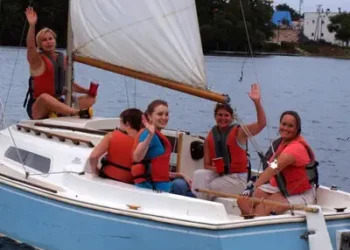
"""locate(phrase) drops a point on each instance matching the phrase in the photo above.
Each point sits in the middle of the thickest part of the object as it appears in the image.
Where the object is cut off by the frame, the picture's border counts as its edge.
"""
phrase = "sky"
(311, 5)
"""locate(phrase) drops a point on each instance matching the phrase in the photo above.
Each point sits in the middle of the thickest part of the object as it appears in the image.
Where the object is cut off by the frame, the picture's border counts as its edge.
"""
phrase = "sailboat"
(50, 199)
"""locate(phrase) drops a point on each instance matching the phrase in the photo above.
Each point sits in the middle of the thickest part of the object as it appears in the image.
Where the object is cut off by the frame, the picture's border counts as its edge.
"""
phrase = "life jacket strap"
(221, 147)
(29, 91)
(249, 166)
(147, 175)
(105, 162)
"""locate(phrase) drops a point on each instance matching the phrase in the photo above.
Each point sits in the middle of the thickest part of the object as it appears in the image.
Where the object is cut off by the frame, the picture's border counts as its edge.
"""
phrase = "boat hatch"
(29, 159)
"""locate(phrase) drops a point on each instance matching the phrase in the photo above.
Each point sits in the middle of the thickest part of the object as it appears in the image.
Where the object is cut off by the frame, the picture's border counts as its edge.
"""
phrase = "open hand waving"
(31, 16)
(254, 93)
(150, 127)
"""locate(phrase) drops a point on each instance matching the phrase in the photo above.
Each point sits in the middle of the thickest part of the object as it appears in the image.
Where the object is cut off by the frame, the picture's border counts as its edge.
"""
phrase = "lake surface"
(317, 88)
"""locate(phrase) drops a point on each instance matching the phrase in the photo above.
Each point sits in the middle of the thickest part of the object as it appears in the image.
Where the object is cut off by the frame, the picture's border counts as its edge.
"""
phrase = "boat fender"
(197, 150)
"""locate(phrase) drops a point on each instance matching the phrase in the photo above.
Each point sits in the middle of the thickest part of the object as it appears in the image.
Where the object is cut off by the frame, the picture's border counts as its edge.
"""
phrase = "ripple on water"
(328, 162)
(343, 139)
(315, 122)
(341, 122)
(337, 150)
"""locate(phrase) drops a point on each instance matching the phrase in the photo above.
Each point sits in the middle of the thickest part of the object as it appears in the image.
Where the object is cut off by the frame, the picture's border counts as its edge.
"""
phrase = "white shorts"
(207, 179)
(306, 198)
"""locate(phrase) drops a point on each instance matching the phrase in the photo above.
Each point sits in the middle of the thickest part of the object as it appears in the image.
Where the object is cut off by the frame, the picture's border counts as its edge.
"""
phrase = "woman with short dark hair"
(118, 145)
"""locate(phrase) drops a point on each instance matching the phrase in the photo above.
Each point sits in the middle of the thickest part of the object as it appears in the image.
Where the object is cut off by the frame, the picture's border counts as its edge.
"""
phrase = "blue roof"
(279, 15)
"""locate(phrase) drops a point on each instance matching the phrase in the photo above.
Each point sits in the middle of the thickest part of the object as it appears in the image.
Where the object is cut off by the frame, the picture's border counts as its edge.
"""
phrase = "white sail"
(158, 37)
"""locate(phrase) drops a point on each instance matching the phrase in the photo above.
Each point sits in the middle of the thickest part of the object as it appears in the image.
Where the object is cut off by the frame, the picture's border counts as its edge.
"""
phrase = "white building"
(315, 26)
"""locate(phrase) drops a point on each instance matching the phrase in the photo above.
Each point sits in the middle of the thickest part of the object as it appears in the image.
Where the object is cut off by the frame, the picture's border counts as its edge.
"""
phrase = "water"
(317, 88)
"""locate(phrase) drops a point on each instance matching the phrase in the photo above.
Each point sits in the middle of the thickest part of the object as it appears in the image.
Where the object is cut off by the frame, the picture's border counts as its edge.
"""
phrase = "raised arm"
(142, 147)
(33, 56)
(259, 125)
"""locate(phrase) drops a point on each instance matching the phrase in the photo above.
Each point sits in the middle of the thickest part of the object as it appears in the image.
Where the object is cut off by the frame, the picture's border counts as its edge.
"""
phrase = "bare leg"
(45, 103)
(246, 206)
(264, 209)
(86, 101)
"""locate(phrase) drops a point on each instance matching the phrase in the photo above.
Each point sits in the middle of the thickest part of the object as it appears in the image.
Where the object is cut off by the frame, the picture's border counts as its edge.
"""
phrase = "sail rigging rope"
(2, 124)
(127, 92)
(254, 66)
(58, 172)
(243, 65)
(244, 127)
(135, 94)
(8, 94)
(257, 80)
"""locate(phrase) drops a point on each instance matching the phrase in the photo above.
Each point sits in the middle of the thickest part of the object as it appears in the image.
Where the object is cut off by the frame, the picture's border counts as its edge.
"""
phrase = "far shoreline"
(230, 53)
(266, 54)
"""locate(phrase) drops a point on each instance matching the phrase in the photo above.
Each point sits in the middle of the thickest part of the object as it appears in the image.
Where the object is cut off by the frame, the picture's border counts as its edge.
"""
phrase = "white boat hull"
(69, 208)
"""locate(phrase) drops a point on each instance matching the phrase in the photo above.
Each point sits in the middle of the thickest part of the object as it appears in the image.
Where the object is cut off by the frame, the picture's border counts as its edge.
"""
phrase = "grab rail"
(51, 135)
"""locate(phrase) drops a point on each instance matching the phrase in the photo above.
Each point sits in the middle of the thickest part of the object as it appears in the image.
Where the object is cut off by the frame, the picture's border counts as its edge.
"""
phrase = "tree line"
(51, 13)
(222, 23)
(340, 24)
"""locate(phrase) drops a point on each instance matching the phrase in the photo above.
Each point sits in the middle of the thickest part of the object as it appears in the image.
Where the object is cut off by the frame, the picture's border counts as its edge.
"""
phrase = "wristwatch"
(274, 164)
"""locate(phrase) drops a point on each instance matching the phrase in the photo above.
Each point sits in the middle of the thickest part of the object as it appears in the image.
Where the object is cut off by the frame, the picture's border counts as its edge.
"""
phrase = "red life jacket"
(51, 81)
(225, 145)
(295, 179)
(118, 164)
(156, 169)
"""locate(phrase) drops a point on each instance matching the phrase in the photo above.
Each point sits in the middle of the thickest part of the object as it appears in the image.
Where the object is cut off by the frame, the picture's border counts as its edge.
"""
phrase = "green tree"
(295, 15)
(222, 24)
(340, 24)
(52, 14)
(12, 20)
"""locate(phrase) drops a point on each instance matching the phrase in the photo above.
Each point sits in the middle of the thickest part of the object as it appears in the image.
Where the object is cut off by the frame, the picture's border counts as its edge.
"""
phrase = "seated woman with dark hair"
(285, 179)
(227, 142)
(118, 145)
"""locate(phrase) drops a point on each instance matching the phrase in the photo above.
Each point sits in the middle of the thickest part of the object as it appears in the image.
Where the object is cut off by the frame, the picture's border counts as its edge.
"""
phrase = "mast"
(179, 86)
(69, 73)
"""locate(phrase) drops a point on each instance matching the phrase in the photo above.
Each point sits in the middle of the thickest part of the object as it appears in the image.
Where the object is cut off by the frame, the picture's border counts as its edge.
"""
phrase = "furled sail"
(158, 37)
